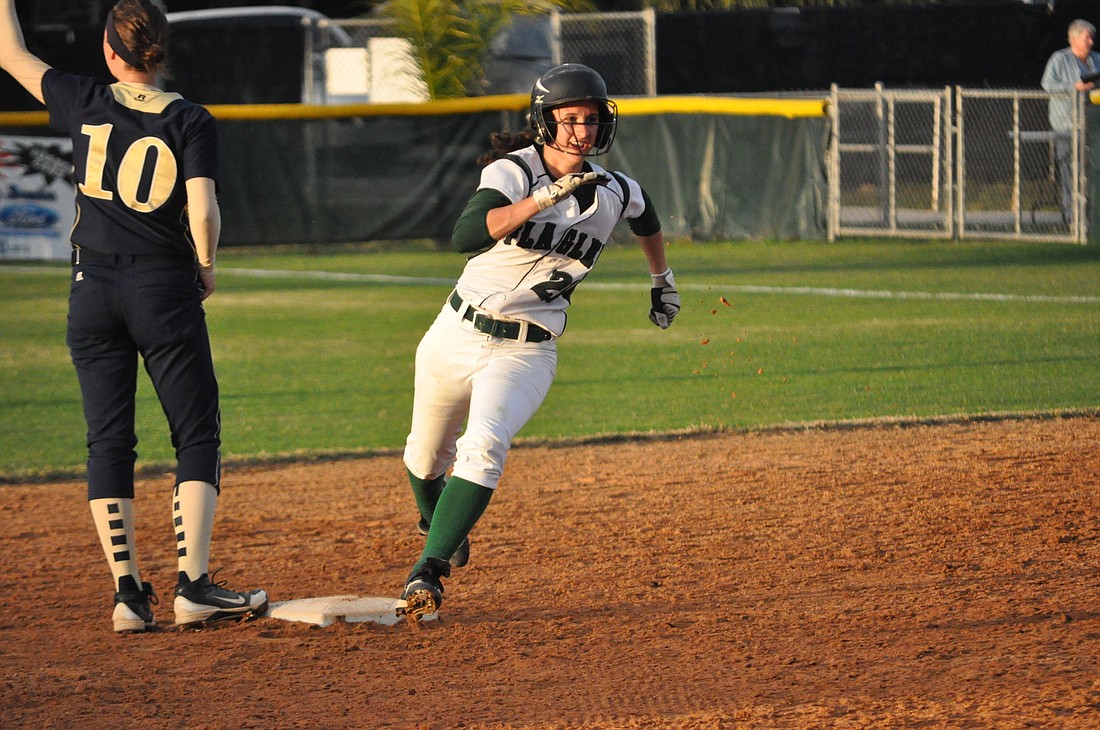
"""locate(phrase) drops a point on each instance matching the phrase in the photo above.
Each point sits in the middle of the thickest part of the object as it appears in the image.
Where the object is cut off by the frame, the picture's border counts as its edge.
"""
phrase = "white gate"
(908, 163)
(890, 163)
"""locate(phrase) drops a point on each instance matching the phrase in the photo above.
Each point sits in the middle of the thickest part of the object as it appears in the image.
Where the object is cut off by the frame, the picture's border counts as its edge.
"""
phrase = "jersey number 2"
(559, 284)
(130, 171)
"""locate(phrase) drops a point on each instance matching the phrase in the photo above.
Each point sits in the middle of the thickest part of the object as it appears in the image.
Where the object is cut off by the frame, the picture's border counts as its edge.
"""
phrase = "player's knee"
(481, 458)
(111, 472)
(201, 463)
(426, 469)
(424, 462)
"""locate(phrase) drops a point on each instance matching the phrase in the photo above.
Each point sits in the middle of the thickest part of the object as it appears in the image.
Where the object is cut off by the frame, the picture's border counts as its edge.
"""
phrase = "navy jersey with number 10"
(134, 147)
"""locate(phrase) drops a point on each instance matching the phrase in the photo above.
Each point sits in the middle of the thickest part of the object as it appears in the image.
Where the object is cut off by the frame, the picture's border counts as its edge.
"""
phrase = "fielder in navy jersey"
(144, 243)
(535, 227)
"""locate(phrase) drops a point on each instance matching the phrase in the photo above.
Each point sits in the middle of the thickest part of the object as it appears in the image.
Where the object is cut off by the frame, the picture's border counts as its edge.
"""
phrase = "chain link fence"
(622, 47)
(1010, 178)
(963, 163)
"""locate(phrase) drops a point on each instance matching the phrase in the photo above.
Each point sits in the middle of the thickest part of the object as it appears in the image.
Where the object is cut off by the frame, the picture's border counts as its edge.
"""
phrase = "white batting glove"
(564, 186)
(665, 301)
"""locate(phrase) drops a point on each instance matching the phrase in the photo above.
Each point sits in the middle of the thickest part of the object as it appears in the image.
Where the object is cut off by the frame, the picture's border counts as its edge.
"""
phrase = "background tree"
(450, 39)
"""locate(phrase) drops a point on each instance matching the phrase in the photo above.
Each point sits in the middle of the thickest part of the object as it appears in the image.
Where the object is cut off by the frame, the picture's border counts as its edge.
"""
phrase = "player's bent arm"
(24, 67)
(505, 219)
(654, 249)
(205, 221)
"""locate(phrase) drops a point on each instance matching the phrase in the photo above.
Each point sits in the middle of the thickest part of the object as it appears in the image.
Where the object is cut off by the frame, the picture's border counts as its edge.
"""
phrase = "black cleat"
(201, 600)
(133, 612)
(424, 590)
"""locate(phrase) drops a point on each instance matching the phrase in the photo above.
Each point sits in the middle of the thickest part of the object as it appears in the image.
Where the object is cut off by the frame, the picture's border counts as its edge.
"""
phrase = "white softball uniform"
(490, 355)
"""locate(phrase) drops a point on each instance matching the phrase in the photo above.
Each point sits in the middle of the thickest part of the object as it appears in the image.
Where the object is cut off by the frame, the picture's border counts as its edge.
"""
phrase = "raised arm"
(24, 67)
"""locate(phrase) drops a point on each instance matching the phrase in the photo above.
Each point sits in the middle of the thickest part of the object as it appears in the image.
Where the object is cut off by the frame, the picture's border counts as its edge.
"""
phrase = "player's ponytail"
(506, 142)
(138, 32)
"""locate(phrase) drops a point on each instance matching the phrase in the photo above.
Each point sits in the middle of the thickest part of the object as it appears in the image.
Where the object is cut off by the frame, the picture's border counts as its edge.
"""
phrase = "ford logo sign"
(28, 215)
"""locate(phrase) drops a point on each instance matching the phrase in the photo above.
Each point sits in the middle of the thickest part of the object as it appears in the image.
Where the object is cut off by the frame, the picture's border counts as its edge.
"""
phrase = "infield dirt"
(892, 576)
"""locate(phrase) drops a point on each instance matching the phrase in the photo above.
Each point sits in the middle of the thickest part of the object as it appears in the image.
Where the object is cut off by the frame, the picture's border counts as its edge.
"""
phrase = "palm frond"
(450, 39)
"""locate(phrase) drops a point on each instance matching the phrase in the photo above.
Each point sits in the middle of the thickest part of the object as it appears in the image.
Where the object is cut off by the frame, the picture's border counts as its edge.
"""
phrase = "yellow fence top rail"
(24, 119)
(789, 108)
(636, 106)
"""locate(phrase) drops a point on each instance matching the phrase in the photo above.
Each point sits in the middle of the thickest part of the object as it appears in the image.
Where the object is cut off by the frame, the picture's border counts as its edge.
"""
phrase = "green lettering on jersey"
(578, 248)
(522, 236)
(588, 258)
(567, 242)
(546, 238)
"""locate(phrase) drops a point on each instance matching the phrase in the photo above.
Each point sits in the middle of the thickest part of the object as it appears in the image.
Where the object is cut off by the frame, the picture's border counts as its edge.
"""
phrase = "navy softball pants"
(123, 307)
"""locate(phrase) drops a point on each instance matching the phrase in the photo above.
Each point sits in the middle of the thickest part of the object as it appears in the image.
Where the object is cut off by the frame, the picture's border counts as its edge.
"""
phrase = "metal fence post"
(307, 64)
(649, 16)
(960, 149)
(1016, 217)
(555, 32)
(833, 216)
(949, 161)
(880, 119)
(1078, 151)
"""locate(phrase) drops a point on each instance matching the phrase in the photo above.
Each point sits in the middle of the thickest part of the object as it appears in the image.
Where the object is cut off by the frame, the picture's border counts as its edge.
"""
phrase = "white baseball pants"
(493, 384)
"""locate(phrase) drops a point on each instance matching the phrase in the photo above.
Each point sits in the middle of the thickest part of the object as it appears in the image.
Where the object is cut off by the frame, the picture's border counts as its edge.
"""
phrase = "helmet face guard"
(566, 84)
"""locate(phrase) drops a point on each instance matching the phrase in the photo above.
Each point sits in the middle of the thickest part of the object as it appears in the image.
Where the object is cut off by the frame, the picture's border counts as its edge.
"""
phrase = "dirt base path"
(920, 576)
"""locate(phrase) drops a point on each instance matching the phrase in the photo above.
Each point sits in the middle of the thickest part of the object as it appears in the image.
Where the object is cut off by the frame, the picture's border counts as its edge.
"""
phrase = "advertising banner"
(36, 197)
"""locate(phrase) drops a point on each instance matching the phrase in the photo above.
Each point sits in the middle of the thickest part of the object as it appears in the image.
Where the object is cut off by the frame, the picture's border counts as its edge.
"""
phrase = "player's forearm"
(205, 232)
(204, 219)
(23, 66)
(654, 249)
(502, 221)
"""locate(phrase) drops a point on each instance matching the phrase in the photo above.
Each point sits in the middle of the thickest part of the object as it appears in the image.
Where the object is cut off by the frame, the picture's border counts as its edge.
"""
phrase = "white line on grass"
(610, 286)
(339, 276)
(742, 288)
(866, 293)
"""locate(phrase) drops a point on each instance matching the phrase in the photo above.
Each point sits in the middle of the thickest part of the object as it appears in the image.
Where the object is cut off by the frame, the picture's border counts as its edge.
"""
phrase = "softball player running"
(145, 162)
(536, 226)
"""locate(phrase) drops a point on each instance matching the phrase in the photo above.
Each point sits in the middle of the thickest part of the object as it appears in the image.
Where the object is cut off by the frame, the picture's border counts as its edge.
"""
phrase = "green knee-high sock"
(458, 510)
(426, 492)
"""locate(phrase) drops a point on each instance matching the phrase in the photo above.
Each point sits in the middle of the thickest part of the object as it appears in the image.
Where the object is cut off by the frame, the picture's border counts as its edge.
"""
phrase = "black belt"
(88, 256)
(496, 327)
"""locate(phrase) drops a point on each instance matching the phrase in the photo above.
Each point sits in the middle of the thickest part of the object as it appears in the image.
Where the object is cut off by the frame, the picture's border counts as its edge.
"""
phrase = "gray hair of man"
(1079, 27)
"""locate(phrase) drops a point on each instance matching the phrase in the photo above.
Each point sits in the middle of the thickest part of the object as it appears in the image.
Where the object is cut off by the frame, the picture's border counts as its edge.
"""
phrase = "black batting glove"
(664, 300)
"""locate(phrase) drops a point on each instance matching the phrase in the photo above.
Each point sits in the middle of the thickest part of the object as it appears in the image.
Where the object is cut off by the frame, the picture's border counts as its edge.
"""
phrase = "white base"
(325, 610)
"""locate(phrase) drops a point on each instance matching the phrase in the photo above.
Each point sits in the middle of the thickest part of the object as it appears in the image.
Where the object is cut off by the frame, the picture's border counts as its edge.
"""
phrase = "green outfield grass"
(770, 334)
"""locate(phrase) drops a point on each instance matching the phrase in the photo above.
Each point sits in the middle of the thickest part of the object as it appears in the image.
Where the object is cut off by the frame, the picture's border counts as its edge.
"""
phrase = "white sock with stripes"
(193, 505)
(114, 522)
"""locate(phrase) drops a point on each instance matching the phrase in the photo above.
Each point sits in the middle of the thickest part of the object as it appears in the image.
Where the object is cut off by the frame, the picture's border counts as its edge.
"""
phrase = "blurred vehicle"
(520, 54)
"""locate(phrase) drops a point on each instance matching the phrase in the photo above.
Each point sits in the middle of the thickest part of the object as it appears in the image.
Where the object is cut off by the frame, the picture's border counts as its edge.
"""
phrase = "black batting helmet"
(571, 82)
